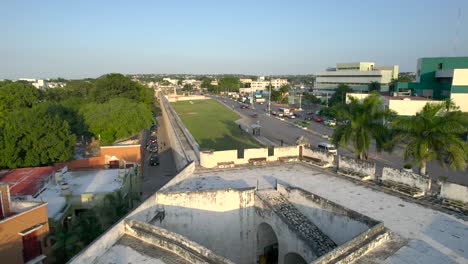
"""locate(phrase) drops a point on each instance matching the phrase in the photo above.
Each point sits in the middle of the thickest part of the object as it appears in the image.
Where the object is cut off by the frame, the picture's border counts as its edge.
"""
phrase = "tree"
(117, 85)
(187, 87)
(374, 86)
(17, 95)
(118, 118)
(229, 84)
(275, 95)
(367, 124)
(311, 98)
(34, 137)
(340, 94)
(432, 134)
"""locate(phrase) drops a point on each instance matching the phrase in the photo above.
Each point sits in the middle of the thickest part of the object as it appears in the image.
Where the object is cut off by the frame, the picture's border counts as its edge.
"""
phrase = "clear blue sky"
(75, 39)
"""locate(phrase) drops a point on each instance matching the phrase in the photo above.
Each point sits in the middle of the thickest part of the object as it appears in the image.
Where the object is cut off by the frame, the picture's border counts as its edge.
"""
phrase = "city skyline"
(77, 40)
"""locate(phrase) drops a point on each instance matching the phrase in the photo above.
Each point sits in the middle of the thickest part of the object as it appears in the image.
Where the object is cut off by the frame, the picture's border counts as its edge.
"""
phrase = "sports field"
(212, 125)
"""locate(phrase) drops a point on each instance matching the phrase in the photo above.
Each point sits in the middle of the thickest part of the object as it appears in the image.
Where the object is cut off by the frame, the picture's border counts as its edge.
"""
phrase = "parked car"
(327, 147)
(329, 122)
(318, 120)
(274, 113)
(154, 160)
(292, 116)
(153, 139)
(153, 147)
(244, 107)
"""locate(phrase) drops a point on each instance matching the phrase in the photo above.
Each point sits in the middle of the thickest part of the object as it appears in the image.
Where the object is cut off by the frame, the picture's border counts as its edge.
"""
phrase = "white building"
(262, 85)
(358, 75)
(38, 83)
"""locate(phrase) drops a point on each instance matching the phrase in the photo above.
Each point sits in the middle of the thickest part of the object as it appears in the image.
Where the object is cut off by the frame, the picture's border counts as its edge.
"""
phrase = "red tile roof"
(27, 181)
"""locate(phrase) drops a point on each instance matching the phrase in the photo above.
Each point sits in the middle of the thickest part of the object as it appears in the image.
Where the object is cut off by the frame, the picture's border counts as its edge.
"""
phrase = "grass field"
(212, 125)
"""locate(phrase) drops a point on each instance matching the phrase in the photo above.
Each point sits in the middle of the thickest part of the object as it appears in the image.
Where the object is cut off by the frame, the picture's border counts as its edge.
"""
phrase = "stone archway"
(294, 258)
(267, 244)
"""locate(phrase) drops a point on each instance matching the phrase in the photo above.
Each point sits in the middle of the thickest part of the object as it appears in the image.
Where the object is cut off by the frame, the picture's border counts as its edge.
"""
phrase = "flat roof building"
(24, 228)
(358, 75)
(441, 78)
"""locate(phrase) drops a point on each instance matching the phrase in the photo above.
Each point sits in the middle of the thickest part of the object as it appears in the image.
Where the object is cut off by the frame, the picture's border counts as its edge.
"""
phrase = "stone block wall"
(405, 177)
(318, 154)
(360, 167)
(454, 191)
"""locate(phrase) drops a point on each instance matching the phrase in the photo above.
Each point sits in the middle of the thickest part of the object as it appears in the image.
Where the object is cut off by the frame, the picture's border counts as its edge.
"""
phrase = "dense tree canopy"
(116, 119)
(230, 84)
(40, 127)
(17, 95)
(33, 137)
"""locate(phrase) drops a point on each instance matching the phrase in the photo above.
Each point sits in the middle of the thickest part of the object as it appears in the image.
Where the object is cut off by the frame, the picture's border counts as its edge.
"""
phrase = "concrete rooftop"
(425, 235)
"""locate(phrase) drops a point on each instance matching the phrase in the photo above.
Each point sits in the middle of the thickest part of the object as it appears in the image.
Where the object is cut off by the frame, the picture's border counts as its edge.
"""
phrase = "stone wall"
(454, 191)
(318, 154)
(362, 169)
(186, 98)
(405, 177)
(172, 242)
(337, 222)
(212, 159)
(221, 220)
(180, 157)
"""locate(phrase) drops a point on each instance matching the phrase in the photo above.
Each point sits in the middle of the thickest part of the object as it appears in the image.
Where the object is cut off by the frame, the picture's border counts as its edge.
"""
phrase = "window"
(439, 66)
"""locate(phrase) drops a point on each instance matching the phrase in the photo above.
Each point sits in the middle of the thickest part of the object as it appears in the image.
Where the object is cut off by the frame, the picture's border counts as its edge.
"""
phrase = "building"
(245, 80)
(358, 75)
(403, 105)
(262, 84)
(38, 83)
(440, 78)
(23, 230)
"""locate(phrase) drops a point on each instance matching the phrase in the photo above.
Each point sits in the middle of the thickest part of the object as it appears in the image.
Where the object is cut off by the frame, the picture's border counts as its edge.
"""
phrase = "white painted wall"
(221, 220)
(454, 192)
(335, 224)
(405, 177)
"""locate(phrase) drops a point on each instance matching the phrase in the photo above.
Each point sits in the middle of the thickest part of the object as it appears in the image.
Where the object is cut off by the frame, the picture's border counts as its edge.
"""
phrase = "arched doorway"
(267, 244)
(293, 258)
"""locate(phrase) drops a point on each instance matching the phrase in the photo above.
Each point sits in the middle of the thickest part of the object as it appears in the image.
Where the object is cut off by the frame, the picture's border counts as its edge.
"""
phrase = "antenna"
(457, 33)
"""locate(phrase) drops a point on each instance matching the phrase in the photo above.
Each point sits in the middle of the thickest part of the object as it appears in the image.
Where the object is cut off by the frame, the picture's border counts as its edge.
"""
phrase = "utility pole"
(300, 101)
(327, 99)
(269, 99)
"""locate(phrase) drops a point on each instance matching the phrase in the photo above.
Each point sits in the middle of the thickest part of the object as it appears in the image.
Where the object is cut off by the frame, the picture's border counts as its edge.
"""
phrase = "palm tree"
(366, 124)
(434, 133)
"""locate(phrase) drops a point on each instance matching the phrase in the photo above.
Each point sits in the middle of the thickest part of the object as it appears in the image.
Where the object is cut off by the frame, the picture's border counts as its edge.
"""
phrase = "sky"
(78, 39)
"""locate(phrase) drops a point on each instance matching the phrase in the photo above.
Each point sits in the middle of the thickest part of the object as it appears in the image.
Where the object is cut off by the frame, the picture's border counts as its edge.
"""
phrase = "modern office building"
(440, 78)
(358, 75)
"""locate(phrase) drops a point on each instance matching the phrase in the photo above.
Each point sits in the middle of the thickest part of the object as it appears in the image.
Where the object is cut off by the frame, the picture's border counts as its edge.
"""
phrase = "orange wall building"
(23, 230)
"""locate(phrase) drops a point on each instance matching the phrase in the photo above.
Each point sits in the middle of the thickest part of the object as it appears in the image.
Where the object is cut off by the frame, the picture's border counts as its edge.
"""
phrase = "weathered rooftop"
(432, 235)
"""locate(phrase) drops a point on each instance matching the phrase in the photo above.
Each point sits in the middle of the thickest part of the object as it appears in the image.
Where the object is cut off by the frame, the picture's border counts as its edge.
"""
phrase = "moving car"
(154, 160)
(318, 119)
(329, 122)
(327, 147)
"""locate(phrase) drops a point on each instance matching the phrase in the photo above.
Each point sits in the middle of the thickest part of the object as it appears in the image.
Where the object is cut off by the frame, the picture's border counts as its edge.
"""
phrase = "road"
(155, 177)
(276, 130)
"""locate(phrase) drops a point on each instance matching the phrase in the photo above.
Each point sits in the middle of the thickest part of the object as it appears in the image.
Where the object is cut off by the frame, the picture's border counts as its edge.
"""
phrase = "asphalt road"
(276, 130)
(155, 177)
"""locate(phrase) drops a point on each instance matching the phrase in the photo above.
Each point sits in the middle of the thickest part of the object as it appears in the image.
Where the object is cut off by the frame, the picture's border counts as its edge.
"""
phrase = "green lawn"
(212, 125)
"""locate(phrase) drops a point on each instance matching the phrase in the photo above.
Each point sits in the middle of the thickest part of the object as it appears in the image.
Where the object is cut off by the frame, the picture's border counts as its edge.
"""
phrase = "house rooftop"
(27, 181)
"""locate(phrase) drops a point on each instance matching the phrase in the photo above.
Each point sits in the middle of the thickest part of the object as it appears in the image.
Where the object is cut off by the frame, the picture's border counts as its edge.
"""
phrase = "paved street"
(276, 130)
(154, 177)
